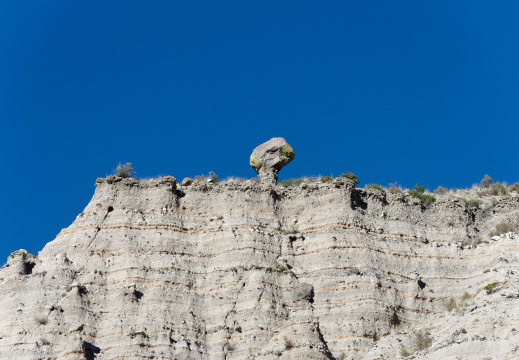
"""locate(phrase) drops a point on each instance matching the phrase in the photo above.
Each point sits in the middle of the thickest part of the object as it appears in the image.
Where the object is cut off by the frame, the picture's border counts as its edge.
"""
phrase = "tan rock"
(270, 157)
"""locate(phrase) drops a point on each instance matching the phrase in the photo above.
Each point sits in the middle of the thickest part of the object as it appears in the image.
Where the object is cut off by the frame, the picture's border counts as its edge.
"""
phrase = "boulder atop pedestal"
(269, 158)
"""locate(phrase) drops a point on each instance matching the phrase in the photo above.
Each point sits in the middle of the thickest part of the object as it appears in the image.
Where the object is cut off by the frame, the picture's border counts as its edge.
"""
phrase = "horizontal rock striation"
(238, 270)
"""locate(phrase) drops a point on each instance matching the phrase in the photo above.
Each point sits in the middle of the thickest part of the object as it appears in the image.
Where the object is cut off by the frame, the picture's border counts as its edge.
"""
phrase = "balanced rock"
(270, 157)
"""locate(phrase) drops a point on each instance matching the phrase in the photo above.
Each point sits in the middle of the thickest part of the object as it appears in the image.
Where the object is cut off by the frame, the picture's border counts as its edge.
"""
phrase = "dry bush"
(289, 344)
(422, 340)
(498, 189)
(394, 188)
(124, 170)
(466, 296)
(440, 190)
(452, 304)
(486, 182)
(503, 228)
(514, 187)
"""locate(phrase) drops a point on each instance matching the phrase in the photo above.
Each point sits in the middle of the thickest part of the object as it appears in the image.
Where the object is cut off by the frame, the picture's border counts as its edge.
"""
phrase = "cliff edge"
(239, 270)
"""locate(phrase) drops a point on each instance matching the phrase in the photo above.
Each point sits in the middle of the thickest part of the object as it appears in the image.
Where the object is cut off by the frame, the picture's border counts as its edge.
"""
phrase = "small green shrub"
(471, 203)
(124, 170)
(288, 343)
(486, 182)
(351, 176)
(419, 193)
(292, 182)
(490, 288)
(503, 228)
(376, 187)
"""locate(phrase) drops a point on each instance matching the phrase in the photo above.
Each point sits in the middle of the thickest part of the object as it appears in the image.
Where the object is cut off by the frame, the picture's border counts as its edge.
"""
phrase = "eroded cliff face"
(152, 270)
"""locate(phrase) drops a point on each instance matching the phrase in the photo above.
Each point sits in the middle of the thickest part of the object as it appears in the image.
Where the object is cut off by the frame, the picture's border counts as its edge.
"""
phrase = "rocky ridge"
(239, 270)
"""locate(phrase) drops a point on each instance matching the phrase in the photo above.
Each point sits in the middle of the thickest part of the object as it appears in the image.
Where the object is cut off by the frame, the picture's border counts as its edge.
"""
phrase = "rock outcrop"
(269, 158)
(238, 270)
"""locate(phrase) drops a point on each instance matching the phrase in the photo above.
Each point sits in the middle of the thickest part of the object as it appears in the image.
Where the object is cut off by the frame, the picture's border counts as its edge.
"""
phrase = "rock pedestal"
(269, 158)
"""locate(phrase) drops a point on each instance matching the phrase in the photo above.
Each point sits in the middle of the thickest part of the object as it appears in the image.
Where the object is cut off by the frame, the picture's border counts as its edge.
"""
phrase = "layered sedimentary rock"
(155, 270)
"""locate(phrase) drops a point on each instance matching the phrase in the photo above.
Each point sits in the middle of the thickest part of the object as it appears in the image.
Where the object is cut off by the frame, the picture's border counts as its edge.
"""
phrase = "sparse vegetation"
(351, 176)
(288, 343)
(514, 187)
(291, 229)
(490, 288)
(229, 346)
(213, 177)
(440, 190)
(458, 332)
(471, 203)
(498, 189)
(419, 193)
(291, 182)
(404, 352)
(466, 296)
(422, 340)
(486, 182)
(326, 178)
(44, 341)
(394, 188)
(124, 170)
(503, 228)
(376, 187)
(452, 304)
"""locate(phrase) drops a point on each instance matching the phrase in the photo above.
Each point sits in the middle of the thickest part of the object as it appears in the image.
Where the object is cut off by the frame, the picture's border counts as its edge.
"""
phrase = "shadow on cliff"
(90, 350)
(356, 201)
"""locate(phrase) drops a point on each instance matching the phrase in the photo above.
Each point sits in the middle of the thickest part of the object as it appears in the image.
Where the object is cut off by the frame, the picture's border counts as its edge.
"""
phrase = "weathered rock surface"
(269, 158)
(208, 271)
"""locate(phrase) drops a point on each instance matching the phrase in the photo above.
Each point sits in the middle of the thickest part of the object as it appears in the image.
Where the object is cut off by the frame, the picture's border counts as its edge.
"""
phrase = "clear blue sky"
(412, 91)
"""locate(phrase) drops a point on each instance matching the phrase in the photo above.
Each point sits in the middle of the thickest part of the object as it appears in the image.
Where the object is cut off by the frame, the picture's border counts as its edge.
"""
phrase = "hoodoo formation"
(243, 270)
(269, 158)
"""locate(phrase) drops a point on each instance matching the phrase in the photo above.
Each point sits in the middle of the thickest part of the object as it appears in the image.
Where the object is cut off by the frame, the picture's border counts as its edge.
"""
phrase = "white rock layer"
(207, 271)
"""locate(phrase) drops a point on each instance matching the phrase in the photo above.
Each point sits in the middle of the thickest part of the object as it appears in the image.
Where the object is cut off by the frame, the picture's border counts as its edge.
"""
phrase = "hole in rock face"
(110, 208)
(421, 284)
(28, 267)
